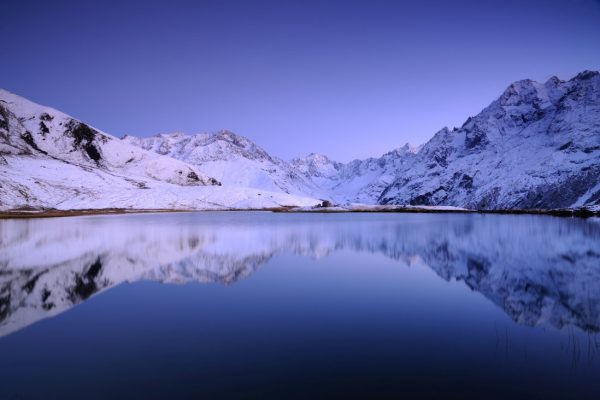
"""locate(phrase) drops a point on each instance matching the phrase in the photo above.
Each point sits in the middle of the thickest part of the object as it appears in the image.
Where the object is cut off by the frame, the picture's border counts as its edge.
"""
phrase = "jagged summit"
(536, 146)
(225, 145)
(585, 75)
(408, 148)
(316, 165)
(232, 159)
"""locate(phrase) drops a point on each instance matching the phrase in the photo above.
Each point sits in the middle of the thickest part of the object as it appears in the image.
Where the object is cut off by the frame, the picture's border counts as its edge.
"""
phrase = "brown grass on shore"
(27, 212)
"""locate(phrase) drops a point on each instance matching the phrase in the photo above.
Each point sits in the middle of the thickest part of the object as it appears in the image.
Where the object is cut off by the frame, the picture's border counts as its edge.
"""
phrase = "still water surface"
(268, 305)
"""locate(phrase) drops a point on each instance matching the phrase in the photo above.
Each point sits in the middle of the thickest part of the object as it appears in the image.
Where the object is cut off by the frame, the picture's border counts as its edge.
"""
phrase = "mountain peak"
(409, 148)
(174, 134)
(318, 158)
(553, 81)
(226, 132)
(585, 75)
(516, 90)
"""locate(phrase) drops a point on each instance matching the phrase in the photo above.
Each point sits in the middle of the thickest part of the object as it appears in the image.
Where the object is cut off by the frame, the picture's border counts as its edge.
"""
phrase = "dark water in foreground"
(262, 305)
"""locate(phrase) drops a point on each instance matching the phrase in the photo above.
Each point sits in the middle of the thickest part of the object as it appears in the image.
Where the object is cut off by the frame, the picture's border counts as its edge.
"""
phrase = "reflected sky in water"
(268, 305)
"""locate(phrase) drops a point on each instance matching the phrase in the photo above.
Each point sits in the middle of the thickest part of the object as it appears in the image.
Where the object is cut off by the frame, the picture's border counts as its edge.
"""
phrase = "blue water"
(269, 305)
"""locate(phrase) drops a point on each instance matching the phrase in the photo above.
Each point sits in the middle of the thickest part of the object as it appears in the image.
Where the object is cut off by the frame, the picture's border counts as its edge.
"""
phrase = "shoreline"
(24, 214)
(53, 213)
(577, 213)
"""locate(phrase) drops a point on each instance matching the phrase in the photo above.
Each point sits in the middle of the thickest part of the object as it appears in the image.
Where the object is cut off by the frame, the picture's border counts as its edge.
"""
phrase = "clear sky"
(349, 79)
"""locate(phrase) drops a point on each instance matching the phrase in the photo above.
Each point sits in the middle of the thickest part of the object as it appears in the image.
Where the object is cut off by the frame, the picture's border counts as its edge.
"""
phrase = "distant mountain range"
(536, 146)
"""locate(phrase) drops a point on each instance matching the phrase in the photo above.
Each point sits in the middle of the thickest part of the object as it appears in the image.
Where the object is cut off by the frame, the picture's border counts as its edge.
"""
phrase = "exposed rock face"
(27, 128)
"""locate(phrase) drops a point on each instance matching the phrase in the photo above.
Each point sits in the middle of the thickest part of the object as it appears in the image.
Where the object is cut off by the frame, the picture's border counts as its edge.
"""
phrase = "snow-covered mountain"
(51, 160)
(236, 160)
(359, 181)
(232, 159)
(537, 146)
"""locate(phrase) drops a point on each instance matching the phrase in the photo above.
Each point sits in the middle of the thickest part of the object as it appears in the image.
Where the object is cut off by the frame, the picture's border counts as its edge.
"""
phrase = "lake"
(284, 306)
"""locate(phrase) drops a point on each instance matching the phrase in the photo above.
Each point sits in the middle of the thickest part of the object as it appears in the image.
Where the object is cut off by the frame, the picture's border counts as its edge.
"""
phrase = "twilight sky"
(349, 79)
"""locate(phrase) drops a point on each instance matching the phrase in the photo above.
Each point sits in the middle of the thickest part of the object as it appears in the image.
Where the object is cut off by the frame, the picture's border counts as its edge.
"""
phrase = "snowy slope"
(232, 159)
(359, 181)
(537, 146)
(236, 160)
(49, 159)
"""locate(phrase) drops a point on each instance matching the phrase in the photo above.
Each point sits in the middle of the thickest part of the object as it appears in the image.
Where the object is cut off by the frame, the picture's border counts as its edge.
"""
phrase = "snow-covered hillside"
(537, 146)
(232, 159)
(51, 160)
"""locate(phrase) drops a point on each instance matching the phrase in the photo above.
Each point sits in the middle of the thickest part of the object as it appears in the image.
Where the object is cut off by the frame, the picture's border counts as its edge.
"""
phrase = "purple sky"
(349, 79)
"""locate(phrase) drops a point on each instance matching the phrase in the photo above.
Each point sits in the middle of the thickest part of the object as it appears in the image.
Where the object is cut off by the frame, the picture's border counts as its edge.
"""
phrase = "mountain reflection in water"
(540, 270)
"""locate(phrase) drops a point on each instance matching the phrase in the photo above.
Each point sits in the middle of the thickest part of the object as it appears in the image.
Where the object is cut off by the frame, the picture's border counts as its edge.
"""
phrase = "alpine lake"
(265, 305)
